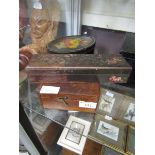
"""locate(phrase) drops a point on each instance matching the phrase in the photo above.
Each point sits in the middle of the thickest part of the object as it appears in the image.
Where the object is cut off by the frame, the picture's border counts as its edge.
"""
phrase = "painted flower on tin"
(115, 78)
(113, 60)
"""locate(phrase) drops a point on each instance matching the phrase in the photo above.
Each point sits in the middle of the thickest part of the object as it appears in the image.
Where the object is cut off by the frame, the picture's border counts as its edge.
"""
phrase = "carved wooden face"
(39, 22)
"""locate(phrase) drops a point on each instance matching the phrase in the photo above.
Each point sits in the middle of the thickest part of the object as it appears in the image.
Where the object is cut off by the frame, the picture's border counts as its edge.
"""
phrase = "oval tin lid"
(71, 44)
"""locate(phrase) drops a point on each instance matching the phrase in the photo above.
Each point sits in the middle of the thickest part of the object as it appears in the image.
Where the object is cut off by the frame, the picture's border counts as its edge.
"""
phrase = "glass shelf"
(53, 20)
(32, 102)
(58, 116)
(33, 107)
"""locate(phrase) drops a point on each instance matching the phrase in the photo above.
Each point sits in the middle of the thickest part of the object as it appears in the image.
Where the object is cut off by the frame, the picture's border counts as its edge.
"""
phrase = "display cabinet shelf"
(31, 102)
(88, 75)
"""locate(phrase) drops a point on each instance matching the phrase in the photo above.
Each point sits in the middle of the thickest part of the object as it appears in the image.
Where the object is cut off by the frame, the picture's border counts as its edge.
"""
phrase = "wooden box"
(112, 68)
(72, 96)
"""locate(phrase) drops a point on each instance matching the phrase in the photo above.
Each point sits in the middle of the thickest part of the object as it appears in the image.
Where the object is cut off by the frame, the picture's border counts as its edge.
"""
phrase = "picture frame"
(74, 134)
(130, 147)
(109, 151)
(108, 130)
(109, 103)
(130, 113)
(113, 133)
(127, 111)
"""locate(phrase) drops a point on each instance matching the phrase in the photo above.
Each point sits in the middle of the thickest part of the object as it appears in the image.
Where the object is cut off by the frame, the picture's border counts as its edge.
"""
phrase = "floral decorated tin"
(72, 45)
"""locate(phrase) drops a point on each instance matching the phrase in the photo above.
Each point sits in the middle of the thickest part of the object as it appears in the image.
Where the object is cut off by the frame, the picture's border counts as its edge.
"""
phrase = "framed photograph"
(109, 151)
(130, 113)
(109, 103)
(130, 147)
(110, 132)
(74, 134)
(106, 103)
(127, 111)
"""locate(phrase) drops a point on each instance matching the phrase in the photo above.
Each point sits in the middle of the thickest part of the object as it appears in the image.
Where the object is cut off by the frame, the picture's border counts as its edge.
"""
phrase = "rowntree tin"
(72, 45)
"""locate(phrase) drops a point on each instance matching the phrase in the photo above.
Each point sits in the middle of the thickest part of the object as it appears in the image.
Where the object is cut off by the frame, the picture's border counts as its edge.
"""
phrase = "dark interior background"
(115, 42)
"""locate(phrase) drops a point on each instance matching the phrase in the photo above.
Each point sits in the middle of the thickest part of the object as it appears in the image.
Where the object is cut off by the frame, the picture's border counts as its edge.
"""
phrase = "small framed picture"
(109, 103)
(127, 111)
(130, 113)
(106, 103)
(74, 134)
(130, 147)
(109, 151)
(107, 100)
(110, 132)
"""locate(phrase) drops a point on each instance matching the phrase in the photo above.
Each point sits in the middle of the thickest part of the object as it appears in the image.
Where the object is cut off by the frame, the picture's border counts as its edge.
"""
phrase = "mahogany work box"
(77, 76)
(71, 96)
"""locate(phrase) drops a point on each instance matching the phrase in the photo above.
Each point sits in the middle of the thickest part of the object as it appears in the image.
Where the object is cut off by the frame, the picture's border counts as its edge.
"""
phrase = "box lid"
(78, 64)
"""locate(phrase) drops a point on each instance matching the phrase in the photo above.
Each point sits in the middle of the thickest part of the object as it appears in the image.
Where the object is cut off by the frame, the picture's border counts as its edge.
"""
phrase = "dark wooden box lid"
(78, 64)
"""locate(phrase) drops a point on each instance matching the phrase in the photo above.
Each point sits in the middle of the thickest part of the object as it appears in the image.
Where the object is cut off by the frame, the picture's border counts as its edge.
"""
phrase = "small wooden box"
(72, 96)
